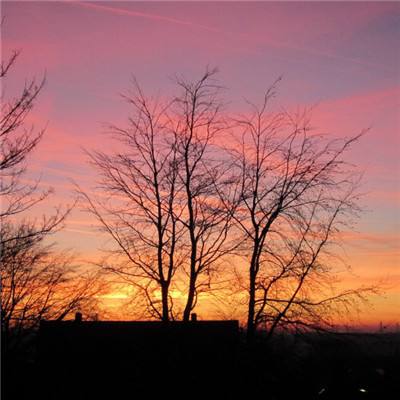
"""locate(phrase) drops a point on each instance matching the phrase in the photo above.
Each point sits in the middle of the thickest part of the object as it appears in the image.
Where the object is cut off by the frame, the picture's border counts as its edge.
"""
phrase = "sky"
(342, 59)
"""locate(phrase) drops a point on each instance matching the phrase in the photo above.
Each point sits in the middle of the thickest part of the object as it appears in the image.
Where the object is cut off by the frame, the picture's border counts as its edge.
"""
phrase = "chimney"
(78, 317)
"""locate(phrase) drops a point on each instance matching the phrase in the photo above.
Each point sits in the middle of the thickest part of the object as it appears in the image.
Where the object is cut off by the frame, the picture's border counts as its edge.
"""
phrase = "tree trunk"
(251, 326)
(190, 299)
(164, 299)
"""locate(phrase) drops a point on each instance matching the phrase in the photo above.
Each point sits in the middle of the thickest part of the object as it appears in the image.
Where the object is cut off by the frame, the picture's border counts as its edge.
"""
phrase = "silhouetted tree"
(36, 282)
(296, 194)
(173, 194)
(204, 176)
(162, 205)
(17, 142)
(139, 212)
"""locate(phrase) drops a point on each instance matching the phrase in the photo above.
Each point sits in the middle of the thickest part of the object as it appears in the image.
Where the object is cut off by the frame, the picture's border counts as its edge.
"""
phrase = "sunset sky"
(341, 58)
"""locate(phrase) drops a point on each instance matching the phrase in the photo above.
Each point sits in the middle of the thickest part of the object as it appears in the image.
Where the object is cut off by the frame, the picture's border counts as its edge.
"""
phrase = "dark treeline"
(311, 365)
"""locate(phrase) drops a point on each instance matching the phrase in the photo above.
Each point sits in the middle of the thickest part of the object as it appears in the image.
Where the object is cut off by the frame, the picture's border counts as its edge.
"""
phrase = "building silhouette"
(103, 359)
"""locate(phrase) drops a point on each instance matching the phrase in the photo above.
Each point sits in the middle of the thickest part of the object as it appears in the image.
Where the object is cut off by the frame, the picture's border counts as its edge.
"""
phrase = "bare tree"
(36, 282)
(162, 191)
(140, 213)
(204, 179)
(17, 142)
(172, 195)
(39, 282)
(296, 193)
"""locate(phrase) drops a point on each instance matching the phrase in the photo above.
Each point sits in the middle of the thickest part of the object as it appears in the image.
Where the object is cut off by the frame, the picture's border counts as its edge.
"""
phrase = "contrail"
(155, 17)
(267, 41)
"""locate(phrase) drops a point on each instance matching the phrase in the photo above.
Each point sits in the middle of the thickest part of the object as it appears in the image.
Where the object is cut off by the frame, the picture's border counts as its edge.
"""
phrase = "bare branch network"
(193, 189)
(37, 280)
(243, 209)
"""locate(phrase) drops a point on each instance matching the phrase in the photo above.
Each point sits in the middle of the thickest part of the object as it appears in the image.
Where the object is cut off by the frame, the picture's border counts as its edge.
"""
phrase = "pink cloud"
(377, 110)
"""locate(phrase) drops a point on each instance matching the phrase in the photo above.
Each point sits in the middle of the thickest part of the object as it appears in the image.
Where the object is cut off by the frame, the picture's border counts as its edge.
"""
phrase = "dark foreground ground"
(312, 366)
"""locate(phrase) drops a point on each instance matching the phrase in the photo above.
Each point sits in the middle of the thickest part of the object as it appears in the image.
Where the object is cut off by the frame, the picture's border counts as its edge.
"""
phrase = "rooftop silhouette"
(106, 358)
